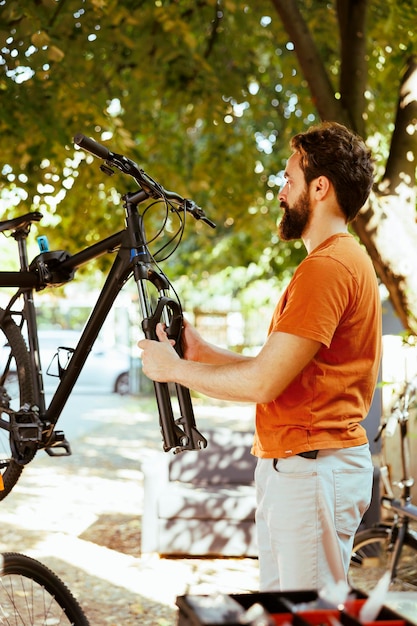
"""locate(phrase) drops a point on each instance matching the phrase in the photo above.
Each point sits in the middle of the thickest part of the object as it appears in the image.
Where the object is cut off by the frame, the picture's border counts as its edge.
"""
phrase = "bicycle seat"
(22, 221)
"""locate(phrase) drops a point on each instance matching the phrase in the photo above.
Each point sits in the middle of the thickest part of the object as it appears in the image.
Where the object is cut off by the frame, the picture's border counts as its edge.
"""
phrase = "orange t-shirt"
(332, 298)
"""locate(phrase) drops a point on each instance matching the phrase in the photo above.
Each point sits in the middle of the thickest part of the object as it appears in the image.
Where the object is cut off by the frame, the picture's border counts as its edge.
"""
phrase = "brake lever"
(198, 213)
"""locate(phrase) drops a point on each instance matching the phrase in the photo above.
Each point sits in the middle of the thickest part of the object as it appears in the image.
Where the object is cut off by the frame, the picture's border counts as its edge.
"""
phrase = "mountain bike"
(391, 545)
(31, 594)
(26, 423)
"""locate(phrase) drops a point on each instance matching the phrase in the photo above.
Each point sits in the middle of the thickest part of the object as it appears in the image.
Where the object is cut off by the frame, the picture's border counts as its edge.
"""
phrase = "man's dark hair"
(332, 150)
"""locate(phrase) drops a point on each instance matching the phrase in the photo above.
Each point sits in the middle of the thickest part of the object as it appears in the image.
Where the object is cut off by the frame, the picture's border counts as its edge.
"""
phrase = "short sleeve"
(320, 293)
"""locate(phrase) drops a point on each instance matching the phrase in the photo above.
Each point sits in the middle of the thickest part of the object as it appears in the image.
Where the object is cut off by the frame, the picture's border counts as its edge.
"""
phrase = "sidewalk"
(80, 515)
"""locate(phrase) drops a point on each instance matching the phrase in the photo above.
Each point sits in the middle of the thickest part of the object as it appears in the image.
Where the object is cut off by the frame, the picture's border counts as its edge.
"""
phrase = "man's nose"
(282, 194)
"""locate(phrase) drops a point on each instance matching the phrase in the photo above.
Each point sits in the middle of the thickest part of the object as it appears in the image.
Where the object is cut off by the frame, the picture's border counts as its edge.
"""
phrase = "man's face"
(295, 201)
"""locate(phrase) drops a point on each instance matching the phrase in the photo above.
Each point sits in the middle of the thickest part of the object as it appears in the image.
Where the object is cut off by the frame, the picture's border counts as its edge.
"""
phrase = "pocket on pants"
(353, 492)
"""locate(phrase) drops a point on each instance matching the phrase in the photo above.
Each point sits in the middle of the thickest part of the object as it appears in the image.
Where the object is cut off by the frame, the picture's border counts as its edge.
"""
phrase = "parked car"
(105, 371)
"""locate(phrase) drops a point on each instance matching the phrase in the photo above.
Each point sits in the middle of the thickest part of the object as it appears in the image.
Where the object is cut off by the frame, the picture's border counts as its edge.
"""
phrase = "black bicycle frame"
(132, 257)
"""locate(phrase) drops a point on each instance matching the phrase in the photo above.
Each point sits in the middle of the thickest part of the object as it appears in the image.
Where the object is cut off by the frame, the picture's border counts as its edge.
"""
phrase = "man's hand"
(159, 357)
(192, 342)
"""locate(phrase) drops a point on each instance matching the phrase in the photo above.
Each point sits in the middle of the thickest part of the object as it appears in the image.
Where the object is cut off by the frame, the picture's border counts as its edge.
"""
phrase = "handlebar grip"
(92, 146)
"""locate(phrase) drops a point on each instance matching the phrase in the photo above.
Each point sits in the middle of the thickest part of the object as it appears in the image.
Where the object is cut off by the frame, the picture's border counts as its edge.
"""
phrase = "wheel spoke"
(371, 558)
(31, 594)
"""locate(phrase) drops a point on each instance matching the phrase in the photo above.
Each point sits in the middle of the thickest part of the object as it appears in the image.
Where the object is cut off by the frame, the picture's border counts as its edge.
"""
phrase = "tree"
(205, 95)
(387, 225)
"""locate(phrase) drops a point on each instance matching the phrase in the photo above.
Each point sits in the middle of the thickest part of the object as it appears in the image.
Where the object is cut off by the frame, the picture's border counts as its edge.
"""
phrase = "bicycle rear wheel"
(30, 593)
(16, 390)
(371, 558)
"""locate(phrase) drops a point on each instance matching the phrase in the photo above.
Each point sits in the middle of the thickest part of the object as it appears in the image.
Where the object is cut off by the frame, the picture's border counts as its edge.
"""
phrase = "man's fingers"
(160, 333)
(162, 336)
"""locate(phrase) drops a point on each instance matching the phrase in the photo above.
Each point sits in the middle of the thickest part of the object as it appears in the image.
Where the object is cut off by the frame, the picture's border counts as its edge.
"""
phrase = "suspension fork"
(180, 434)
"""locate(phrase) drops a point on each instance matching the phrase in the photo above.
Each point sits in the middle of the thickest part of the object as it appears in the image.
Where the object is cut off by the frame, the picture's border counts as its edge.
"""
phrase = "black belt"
(310, 454)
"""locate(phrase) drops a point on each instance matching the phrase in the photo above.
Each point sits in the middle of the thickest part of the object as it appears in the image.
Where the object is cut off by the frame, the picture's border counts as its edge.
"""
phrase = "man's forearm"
(232, 380)
(231, 376)
(214, 355)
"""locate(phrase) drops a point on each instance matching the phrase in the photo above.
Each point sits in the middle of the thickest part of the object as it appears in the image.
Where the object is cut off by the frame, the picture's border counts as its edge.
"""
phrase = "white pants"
(308, 511)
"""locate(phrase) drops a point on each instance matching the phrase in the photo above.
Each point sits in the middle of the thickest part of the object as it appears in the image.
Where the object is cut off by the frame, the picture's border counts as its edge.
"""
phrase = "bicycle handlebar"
(93, 146)
(150, 186)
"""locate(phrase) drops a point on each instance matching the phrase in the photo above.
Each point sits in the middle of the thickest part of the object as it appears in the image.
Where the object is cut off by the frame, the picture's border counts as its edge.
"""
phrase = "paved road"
(82, 411)
(57, 500)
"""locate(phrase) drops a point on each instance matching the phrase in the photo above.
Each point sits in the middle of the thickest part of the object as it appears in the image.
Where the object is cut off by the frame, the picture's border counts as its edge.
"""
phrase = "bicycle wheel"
(16, 390)
(30, 593)
(371, 558)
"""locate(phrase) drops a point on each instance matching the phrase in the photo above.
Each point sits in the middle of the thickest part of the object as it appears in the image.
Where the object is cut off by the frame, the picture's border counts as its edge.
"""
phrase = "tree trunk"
(351, 15)
(387, 226)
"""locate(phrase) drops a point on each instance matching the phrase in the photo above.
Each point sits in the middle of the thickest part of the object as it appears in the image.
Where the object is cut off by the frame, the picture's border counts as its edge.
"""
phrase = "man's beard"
(295, 218)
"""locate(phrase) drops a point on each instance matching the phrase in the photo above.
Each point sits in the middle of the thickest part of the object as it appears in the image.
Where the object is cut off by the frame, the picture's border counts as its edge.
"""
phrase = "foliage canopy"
(204, 95)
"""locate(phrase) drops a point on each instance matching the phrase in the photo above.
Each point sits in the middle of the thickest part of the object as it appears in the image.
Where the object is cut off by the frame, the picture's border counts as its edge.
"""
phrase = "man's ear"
(320, 187)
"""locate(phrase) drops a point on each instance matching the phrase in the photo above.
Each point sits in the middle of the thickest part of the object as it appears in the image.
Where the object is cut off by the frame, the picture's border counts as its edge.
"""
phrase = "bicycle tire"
(372, 550)
(16, 390)
(31, 593)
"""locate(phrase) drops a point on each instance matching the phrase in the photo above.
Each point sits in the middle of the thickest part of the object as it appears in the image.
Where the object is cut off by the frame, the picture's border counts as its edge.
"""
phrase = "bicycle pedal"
(26, 427)
(59, 445)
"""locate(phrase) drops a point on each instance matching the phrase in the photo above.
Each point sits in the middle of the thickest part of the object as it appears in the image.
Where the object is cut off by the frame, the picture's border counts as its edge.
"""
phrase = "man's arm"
(195, 348)
(256, 379)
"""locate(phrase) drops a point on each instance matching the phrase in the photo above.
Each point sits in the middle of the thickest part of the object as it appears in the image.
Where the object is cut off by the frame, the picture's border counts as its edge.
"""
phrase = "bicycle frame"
(402, 507)
(132, 257)
(405, 512)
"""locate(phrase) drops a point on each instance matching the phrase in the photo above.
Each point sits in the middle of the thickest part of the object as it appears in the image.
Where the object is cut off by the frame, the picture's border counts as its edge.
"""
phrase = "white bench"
(202, 503)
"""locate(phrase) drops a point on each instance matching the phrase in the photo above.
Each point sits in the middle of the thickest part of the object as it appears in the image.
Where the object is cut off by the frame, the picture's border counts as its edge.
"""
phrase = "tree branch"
(310, 62)
(214, 30)
(401, 164)
(351, 15)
